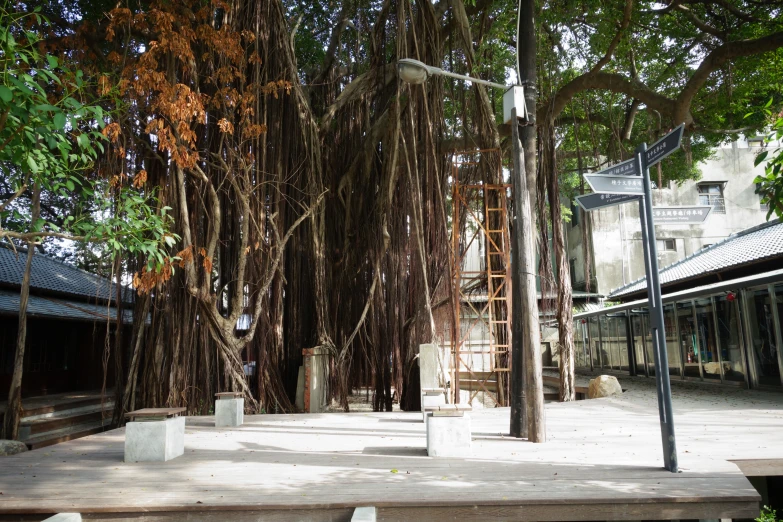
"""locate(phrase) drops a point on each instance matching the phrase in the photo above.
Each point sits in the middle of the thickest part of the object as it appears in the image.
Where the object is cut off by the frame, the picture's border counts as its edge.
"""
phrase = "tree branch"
(617, 38)
(610, 82)
(714, 60)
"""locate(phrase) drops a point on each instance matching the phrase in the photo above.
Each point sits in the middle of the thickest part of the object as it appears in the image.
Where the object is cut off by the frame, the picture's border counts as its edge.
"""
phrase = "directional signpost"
(680, 215)
(595, 201)
(629, 181)
(607, 184)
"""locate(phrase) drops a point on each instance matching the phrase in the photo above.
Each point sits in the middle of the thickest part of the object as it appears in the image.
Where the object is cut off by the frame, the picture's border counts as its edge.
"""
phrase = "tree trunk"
(14, 410)
(564, 295)
(525, 296)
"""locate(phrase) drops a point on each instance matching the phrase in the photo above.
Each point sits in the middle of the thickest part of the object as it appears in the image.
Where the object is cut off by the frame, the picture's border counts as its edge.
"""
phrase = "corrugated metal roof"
(759, 243)
(52, 275)
(59, 308)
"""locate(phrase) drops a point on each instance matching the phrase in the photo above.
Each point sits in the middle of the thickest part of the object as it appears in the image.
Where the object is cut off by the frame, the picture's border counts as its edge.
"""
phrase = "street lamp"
(416, 72)
(525, 340)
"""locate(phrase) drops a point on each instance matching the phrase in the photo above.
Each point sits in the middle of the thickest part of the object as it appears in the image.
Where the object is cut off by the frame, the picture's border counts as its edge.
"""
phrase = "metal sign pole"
(657, 331)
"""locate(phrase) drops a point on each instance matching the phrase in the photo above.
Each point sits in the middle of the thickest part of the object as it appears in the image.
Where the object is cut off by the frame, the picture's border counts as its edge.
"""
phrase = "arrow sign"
(664, 146)
(595, 201)
(682, 215)
(615, 184)
(624, 168)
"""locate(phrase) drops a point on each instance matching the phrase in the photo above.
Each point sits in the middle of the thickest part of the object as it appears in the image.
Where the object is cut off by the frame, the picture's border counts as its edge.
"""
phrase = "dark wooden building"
(70, 312)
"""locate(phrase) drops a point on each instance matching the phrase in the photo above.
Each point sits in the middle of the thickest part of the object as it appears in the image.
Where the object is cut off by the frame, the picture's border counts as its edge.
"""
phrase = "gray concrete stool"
(431, 397)
(154, 435)
(229, 409)
(448, 431)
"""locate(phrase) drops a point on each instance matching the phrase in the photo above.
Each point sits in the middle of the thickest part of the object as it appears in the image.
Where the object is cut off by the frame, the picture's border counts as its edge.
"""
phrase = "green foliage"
(767, 515)
(50, 135)
(770, 185)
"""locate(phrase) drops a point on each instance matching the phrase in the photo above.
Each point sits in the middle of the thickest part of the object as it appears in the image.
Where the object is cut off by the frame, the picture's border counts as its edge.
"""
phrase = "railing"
(716, 202)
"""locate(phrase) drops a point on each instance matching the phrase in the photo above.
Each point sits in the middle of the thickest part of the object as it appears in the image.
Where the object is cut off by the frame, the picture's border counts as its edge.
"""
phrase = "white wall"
(616, 231)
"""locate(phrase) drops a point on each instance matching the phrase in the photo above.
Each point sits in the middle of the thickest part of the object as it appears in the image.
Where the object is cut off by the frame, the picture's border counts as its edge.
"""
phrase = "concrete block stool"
(229, 409)
(448, 431)
(154, 435)
(431, 397)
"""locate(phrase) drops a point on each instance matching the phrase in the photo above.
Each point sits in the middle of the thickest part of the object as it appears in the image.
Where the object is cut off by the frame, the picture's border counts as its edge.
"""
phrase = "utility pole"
(527, 391)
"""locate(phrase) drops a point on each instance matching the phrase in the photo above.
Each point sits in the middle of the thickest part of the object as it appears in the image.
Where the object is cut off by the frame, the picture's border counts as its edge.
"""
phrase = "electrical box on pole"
(514, 98)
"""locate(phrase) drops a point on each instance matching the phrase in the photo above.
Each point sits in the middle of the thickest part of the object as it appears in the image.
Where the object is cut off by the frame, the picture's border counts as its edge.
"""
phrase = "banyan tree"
(310, 187)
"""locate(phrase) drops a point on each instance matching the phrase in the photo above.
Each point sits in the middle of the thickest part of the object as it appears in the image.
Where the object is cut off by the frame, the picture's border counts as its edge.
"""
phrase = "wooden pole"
(520, 275)
(526, 324)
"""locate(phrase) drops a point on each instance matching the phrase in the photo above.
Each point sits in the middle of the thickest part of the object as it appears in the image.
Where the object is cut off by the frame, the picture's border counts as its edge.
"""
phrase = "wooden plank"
(760, 467)
(734, 510)
(155, 412)
(597, 463)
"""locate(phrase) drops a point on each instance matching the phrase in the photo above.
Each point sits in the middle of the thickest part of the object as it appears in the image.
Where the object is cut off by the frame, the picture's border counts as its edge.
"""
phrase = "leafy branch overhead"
(50, 139)
(263, 159)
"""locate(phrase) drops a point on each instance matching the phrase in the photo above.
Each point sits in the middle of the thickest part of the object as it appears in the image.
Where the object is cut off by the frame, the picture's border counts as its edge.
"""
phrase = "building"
(726, 185)
(723, 310)
(67, 320)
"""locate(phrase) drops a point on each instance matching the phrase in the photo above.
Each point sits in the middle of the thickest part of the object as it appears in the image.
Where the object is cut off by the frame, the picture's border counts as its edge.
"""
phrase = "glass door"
(761, 337)
(638, 325)
(707, 340)
(729, 337)
(687, 339)
(672, 348)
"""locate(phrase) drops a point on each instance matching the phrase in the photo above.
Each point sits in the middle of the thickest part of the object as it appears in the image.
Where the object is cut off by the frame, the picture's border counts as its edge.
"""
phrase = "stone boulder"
(11, 447)
(603, 386)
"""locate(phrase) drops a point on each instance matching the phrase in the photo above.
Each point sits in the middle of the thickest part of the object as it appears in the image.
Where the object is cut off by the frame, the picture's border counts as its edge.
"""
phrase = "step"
(69, 433)
(58, 420)
(61, 406)
(68, 412)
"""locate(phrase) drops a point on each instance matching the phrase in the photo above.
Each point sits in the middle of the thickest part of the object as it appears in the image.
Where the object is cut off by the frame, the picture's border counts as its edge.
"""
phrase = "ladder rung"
(495, 209)
(495, 231)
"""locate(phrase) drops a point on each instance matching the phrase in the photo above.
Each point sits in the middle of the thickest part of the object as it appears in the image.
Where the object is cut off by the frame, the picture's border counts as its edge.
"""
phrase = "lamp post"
(526, 370)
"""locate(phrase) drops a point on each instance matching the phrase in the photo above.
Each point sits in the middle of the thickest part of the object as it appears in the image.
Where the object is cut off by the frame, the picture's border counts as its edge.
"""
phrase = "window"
(711, 194)
(762, 205)
(666, 245)
(574, 215)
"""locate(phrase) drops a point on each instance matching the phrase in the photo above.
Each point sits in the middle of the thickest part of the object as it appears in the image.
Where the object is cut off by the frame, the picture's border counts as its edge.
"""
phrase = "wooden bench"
(448, 430)
(154, 434)
(229, 409)
(433, 391)
(228, 395)
(153, 414)
(450, 410)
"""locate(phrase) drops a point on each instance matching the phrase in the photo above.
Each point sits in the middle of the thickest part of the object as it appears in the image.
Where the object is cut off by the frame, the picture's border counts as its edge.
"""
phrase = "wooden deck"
(602, 461)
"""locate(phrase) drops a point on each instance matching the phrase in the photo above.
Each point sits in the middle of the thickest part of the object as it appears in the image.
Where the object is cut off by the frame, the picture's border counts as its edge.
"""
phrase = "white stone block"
(364, 514)
(154, 441)
(432, 400)
(229, 413)
(65, 517)
(448, 436)
(428, 366)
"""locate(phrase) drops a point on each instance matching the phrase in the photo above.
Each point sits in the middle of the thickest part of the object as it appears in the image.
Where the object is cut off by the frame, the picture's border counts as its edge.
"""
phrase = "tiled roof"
(60, 308)
(759, 243)
(54, 276)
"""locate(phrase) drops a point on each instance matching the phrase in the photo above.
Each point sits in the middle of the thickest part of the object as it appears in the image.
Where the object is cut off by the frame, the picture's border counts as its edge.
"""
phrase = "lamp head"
(412, 71)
